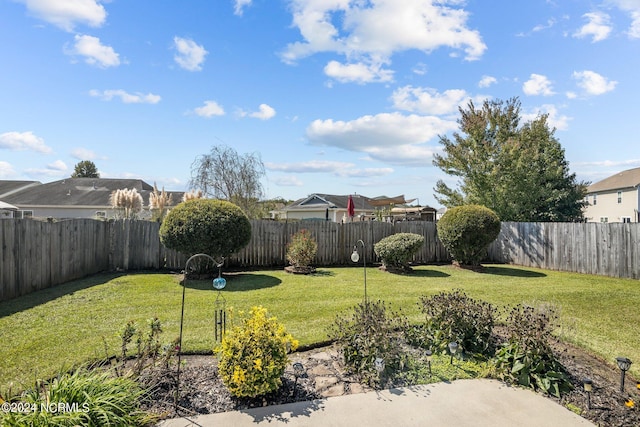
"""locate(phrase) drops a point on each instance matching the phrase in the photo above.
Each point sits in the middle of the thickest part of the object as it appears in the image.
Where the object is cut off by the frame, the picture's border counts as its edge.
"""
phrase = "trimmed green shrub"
(453, 316)
(366, 333)
(302, 249)
(527, 358)
(252, 357)
(213, 227)
(82, 398)
(466, 232)
(397, 250)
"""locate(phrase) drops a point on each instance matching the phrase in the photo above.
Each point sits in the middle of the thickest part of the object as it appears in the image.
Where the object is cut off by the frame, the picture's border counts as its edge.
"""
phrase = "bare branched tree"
(224, 174)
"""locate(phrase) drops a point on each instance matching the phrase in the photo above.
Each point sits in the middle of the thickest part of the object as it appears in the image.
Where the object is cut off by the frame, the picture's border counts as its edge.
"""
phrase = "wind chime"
(220, 307)
(220, 317)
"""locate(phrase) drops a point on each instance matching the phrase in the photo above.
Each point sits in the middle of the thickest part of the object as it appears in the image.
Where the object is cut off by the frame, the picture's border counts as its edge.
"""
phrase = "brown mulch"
(202, 392)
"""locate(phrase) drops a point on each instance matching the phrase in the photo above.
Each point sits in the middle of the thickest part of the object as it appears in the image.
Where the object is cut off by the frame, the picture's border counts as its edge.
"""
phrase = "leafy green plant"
(302, 249)
(527, 358)
(84, 397)
(213, 227)
(454, 316)
(368, 332)
(148, 348)
(252, 356)
(397, 250)
(466, 232)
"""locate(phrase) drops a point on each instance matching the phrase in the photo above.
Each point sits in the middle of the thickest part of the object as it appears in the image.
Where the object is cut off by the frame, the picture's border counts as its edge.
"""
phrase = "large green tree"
(85, 169)
(519, 171)
(224, 174)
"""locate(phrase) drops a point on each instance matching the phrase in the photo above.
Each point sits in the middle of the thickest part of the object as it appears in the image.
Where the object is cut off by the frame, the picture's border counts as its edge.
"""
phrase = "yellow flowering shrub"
(252, 356)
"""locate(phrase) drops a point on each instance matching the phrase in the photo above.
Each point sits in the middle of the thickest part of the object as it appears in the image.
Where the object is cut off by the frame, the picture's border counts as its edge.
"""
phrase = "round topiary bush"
(213, 227)
(397, 250)
(466, 232)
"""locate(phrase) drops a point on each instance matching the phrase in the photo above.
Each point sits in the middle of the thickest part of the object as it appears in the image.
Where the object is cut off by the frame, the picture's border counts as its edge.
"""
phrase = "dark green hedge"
(397, 250)
(213, 227)
(466, 232)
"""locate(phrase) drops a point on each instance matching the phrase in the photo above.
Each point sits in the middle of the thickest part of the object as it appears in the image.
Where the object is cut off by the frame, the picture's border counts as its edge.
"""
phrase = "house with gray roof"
(614, 199)
(330, 207)
(72, 197)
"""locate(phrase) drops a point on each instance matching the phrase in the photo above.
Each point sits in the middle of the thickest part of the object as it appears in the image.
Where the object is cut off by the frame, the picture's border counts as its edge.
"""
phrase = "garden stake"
(222, 284)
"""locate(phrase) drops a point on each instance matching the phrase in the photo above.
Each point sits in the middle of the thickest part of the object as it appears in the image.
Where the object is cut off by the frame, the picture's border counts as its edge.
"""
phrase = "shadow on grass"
(25, 302)
(238, 282)
(429, 273)
(512, 272)
(323, 273)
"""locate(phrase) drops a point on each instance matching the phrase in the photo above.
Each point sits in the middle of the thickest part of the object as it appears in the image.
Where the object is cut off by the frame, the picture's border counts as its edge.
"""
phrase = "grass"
(70, 324)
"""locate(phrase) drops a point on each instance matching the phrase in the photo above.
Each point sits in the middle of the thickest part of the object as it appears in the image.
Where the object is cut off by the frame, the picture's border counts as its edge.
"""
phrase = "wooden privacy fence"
(36, 255)
(592, 248)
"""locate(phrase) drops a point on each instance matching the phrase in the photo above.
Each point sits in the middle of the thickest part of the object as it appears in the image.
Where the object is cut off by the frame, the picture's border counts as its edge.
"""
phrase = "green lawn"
(70, 324)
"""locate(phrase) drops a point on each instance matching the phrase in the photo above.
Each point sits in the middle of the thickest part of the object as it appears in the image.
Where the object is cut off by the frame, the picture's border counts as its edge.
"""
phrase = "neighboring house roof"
(10, 187)
(318, 201)
(80, 192)
(412, 209)
(625, 179)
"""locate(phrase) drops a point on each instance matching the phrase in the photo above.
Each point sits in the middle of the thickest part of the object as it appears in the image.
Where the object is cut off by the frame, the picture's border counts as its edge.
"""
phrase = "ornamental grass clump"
(252, 356)
(302, 250)
(82, 398)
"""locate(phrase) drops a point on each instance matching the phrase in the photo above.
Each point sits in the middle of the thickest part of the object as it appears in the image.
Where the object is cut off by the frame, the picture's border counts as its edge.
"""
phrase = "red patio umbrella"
(351, 208)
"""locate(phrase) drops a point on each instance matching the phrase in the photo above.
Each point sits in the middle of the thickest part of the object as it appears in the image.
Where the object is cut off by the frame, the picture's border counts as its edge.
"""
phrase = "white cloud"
(94, 52)
(358, 72)
(6, 170)
(21, 141)
(598, 27)
(420, 69)
(55, 169)
(209, 109)
(127, 98)
(554, 118)
(611, 163)
(371, 32)
(238, 9)
(343, 169)
(364, 173)
(633, 8)
(58, 165)
(312, 166)
(593, 83)
(487, 81)
(288, 181)
(428, 100)
(634, 30)
(66, 14)
(390, 137)
(265, 112)
(85, 154)
(537, 85)
(190, 55)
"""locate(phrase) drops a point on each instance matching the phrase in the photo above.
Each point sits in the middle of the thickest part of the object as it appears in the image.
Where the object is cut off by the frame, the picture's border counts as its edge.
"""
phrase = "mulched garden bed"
(202, 391)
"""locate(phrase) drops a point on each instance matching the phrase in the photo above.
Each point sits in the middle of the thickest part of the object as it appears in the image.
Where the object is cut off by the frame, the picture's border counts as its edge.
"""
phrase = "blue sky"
(336, 96)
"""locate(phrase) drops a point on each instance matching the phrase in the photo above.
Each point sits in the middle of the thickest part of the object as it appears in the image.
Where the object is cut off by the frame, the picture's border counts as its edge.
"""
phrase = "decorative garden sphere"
(219, 283)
